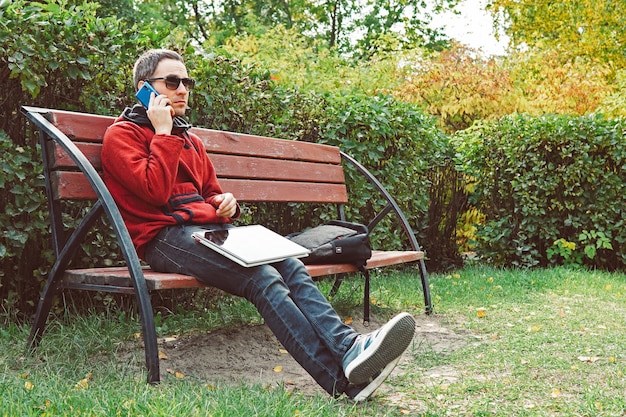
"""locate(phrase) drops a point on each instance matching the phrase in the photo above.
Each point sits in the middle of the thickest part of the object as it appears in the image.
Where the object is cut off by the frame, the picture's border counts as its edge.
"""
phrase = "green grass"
(547, 343)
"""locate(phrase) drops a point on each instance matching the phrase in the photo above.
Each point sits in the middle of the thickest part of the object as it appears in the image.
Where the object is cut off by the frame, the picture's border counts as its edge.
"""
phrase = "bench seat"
(120, 277)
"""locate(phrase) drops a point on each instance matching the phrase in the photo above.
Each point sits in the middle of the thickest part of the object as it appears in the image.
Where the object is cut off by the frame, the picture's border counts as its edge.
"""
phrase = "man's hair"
(146, 64)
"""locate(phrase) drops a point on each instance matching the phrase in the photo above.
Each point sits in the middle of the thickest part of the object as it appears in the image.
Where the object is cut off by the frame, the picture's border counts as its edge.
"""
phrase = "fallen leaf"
(481, 312)
(162, 355)
(28, 386)
(278, 368)
(283, 351)
(348, 320)
(556, 393)
(83, 383)
(177, 374)
(590, 359)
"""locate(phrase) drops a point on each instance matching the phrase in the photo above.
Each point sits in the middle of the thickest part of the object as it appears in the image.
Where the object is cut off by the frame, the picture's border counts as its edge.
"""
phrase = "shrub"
(544, 183)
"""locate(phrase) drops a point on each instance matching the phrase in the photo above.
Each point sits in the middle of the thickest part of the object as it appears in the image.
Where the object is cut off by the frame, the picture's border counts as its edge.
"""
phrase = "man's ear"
(139, 84)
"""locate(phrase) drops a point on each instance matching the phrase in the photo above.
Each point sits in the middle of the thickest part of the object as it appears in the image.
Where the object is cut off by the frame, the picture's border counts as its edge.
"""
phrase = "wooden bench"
(253, 168)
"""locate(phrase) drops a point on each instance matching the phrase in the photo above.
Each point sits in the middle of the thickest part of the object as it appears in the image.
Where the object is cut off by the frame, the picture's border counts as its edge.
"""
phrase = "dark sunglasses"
(172, 82)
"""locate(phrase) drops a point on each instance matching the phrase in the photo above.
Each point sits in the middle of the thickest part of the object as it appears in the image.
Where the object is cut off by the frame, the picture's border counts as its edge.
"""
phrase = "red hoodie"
(157, 180)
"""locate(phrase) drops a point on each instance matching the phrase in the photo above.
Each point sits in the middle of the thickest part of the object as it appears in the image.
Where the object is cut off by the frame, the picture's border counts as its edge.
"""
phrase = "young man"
(166, 188)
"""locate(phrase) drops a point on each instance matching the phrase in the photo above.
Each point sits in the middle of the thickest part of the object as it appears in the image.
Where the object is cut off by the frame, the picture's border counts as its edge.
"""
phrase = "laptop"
(250, 245)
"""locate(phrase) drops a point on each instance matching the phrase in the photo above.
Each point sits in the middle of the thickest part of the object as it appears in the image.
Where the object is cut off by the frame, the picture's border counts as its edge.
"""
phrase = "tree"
(459, 86)
(585, 28)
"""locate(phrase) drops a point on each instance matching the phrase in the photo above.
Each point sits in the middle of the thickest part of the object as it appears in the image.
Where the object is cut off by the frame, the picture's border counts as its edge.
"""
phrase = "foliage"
(23, 220)
(614, 104)
(592, 29)
(295, 60)
(351, 26)
(460, 86)
(543, 182)
(556, 81)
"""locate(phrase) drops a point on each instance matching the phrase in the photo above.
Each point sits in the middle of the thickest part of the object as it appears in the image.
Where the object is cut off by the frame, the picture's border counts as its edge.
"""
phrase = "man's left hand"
(227, 205)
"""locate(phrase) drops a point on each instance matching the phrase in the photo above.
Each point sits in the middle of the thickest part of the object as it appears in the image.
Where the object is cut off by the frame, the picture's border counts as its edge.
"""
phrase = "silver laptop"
(250, 245)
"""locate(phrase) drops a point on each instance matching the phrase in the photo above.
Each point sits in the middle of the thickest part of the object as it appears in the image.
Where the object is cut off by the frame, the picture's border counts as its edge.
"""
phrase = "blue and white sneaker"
(378, 352)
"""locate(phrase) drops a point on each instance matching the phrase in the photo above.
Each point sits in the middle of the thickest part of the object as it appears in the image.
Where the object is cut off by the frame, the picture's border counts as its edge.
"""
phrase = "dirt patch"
(253, 355)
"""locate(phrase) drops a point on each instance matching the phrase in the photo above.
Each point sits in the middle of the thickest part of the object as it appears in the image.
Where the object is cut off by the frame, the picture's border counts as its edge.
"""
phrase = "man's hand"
(161, 114)
(226, 205)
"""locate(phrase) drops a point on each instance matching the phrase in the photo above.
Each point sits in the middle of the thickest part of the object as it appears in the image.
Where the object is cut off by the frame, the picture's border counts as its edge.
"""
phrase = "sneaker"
(376, 381)
(373, 352)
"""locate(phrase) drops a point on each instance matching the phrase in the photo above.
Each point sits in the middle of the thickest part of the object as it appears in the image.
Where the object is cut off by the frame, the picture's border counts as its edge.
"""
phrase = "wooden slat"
(91, 128)
(238, 166)
(119, 276)
(241, 144)
(82, 126)
(61, 160)
(283, 191)
(68, 185)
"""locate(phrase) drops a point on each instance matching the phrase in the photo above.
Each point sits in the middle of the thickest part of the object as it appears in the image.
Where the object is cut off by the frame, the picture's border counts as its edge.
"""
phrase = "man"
(166, 188)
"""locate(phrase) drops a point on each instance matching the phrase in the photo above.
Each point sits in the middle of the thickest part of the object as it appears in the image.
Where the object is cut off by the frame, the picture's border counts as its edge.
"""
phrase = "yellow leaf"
(177, 374)
(82, 384)
(348, 320)
(534, 328)
(162, 355)
(278, 368)
(556, 393)
(481, 312)
(28, 385)
(283, 351)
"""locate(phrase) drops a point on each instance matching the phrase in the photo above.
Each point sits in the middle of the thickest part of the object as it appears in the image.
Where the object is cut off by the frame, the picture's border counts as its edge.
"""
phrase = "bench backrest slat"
(254, 168)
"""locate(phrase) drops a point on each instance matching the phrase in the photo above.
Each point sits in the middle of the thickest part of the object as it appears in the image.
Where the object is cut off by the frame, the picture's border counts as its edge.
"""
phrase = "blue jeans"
(284, 294)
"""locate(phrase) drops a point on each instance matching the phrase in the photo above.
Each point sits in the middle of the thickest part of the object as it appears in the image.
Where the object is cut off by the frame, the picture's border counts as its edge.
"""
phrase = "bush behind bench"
(552, 188)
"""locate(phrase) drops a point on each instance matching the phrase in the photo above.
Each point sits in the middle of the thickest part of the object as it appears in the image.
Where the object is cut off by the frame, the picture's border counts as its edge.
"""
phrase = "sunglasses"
(172, 82)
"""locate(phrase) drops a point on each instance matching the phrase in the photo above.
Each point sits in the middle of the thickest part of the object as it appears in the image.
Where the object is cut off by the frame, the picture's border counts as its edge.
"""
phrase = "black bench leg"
(336, 285)
(425, 288)
(43, 310)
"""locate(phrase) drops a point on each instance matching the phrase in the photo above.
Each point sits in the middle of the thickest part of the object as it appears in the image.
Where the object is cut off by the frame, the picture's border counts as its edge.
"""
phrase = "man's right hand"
(161, 114)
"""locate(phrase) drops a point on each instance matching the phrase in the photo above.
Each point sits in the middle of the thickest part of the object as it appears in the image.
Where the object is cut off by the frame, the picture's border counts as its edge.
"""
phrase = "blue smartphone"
(143, 95)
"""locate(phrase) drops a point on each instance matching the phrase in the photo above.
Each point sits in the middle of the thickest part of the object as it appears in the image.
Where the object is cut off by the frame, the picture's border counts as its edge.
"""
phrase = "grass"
(526, 343)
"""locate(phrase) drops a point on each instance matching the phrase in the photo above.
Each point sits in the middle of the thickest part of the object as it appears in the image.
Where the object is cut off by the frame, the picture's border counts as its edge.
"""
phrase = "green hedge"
(553, 189)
